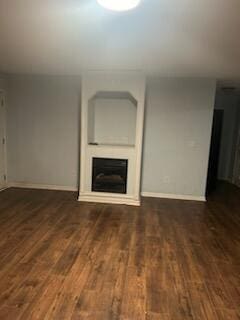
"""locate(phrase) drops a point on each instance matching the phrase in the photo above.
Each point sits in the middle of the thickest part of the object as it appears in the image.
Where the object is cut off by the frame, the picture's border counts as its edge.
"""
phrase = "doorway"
(214, 151)
(236, 171)
(2, 142)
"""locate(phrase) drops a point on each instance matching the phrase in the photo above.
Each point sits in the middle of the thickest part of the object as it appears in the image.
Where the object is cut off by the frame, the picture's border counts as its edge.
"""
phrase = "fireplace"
(112, 117)
(109, 175)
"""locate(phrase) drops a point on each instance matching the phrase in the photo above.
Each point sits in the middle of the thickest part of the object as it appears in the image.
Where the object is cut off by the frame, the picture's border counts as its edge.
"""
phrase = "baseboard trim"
(41, 186)
(4, 188)
(108, 199)
(173, 196)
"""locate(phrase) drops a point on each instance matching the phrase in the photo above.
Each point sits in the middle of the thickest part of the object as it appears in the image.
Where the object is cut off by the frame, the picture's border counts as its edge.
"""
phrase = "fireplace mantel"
(112, 117)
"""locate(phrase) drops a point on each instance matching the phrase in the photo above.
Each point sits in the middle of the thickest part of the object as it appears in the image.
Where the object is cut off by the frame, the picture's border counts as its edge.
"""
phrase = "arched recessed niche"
(112, 118)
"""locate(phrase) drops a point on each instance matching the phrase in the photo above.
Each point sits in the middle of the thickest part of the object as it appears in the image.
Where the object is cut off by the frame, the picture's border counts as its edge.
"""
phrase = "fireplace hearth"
(109, 175)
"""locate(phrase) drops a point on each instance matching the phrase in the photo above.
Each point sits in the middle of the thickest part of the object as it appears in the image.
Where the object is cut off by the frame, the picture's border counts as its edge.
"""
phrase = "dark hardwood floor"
(167, 260)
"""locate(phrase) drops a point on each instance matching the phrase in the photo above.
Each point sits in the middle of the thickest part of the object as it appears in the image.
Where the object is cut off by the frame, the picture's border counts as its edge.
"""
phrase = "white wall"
(43, 130)
(43, 125)
(177, 136)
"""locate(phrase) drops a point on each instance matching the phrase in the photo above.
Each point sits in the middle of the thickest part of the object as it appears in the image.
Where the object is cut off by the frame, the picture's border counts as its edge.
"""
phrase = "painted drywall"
(43, 126)
(197, 38)
(2, 83)
(43, 130)
(178, 126)
(229, 103)
(114, 121)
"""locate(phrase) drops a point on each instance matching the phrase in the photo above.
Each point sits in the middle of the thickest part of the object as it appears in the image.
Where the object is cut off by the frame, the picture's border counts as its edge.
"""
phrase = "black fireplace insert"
(109, 175)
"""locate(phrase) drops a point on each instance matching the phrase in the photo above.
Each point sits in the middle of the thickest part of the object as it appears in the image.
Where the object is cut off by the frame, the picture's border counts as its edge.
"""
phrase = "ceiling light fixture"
(119, 5)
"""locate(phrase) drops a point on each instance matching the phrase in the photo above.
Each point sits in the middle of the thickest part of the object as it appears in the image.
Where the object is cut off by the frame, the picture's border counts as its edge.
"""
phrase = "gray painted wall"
(43, 127)
(177, 135)
(2, 83)
(43, 130)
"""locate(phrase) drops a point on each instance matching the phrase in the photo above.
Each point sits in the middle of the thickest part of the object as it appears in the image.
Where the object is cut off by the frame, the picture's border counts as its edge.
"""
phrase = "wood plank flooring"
(167, 260)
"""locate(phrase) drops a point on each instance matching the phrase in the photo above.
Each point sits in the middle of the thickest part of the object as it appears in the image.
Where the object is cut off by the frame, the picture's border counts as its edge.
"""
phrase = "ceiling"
(165, 37)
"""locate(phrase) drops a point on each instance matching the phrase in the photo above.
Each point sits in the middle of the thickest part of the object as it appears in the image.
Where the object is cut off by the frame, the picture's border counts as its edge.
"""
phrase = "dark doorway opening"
(109, 175)
(212, 177)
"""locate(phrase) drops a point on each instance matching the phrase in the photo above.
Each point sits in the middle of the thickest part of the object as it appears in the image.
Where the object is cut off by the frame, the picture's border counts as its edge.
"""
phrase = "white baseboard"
(173, 196)
(4, 188)
(114, 200)
(41, 186)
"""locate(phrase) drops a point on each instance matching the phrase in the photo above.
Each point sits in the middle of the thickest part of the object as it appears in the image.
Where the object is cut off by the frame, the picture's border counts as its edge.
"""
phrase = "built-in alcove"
(112, 119)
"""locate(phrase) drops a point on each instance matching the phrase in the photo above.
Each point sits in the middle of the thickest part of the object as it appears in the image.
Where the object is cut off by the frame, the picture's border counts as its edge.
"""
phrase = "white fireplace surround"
(102, 91)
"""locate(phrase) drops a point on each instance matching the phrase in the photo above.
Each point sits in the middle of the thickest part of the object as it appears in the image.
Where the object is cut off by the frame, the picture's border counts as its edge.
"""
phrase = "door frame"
(3, 105)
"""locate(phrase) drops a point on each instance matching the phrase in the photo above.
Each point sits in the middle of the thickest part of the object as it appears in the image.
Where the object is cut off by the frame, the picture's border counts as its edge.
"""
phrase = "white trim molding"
(41, 186)
(3, 189)
(174, 196)
(108, 199)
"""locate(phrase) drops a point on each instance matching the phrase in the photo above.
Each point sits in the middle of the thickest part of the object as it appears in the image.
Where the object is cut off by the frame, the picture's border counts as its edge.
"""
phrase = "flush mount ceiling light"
(119, 5)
